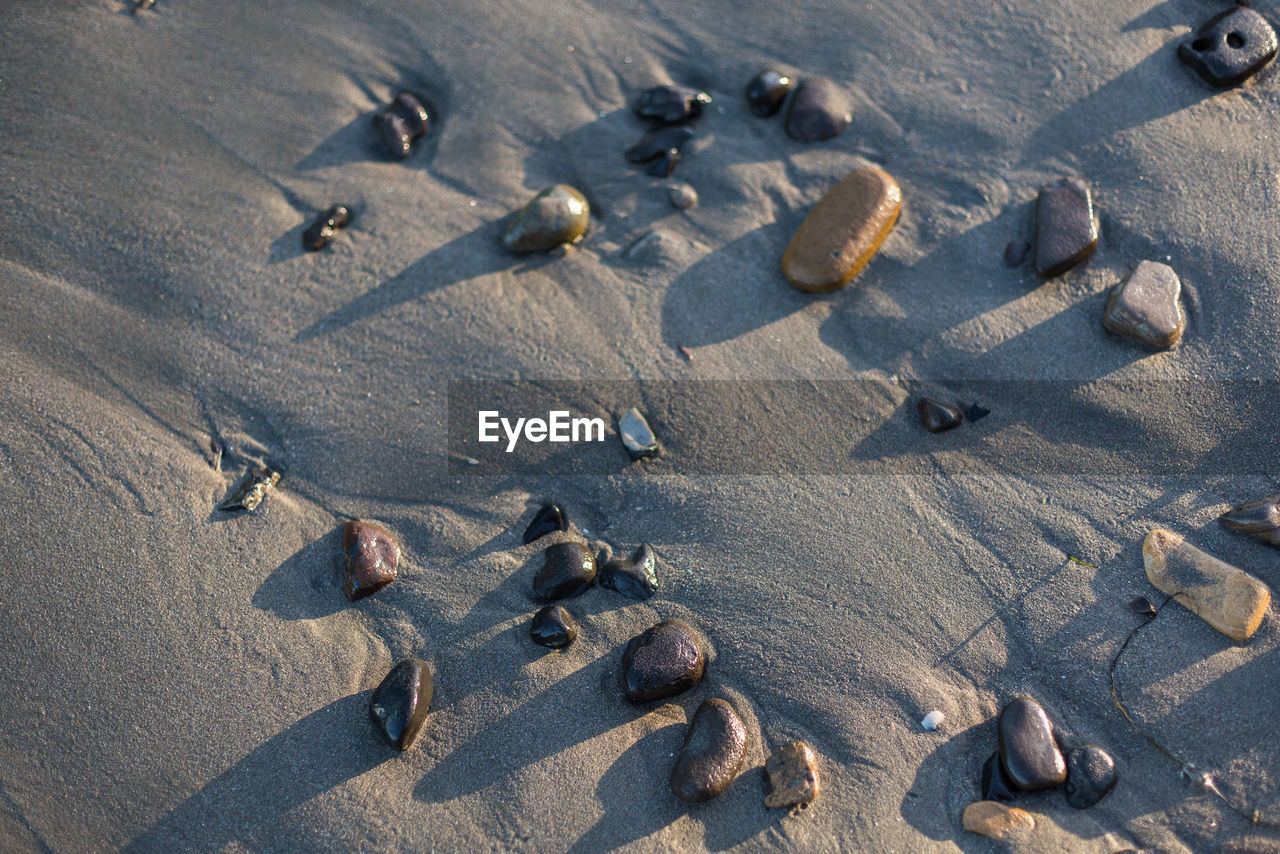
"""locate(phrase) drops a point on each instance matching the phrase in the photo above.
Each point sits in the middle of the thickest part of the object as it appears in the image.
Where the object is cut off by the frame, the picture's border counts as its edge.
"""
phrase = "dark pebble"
(712, 755)
(1066, 231)
(637, 577)
(658, 143)
(413, 110)
(401, 122)
(1028, 751)
(1258, 518)
(1016, 252)
(996, 785)
(1142, 605)
(326, 224)
(251, 489)
(937, 416)
(820, 110)
(662, 661)
(1091, 773)
(766, 92)
(372, 557)
(548, 519)
(664, 165)
(553, 627)
(671, 104)
(568, 569)
(1230, 47)
(976, 412)
(398, 706)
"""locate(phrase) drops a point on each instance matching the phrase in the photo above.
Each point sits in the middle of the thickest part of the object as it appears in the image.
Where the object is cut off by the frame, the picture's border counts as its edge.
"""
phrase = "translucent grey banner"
(1101, 427)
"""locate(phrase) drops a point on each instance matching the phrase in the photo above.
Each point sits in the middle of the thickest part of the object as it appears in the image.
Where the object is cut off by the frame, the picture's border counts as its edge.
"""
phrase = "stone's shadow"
(947, 781)
(306, 586)
(288, 246)
(308, 758)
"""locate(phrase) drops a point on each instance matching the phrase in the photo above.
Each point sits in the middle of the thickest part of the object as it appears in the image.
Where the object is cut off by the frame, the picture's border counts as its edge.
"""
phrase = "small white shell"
(933, 720)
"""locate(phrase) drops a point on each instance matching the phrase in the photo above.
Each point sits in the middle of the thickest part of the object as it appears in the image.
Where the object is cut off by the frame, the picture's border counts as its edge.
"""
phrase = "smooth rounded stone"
(995, 783)
(766, 92)
(820, 110)
(549, 519)
(933, 720)
(1066, 230)
(372, 558)
(937, 416)
(659, 143)
(556, 216)
(671, 104)
(553, 627)
(1230, 47)
(712, 755)
(401, 122)
(398, 706)
(843, 231)
(636, 577)
(998, 821)
(1145, 306)
(793, 776)
(1227, 598)
(1028, 751)
(1015, 252)
(1257, 518)
(636, 434)
(326, 224)
(567, 570)
(412, 108)
(1091, 774)
(683, 196)
(662, 661)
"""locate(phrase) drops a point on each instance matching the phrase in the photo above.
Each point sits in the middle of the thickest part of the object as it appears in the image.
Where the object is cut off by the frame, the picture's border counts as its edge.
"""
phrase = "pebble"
(1015, 252)
(820, 110)
(553, 627)
(998, 821)
(713, 751)
(660, 143)
(843, 231)
(325, 226)
(636, 434)
(1145, 306)
(637, 577)
(933, 720)
(556, 216)
(996, 785)
(1258, 518)
(1230, 47)
(671, 104)
(549, 519)
(401, 122)
(398, 706)
(1091, 774)
(937, 416)
(1142, 605)
(567, 570)
(683, 196)
(766, 92)
(793, 776)
(1066, 230)
(1227, 598)
(372, 558)
(251, 489)
(1028, 751)
(662, 661)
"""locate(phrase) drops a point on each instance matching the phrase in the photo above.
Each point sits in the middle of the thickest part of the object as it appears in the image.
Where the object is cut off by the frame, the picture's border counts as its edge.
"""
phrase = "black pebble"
(1142, 605)
(766, 92)
(658, 143)
(1028, 750)
(671, 104)
(937, 416)
(1230, 47)
(549, 518)
(996, 785)
(820, 110)
(398, 706)
(322, 230)
(1016, 252)
(661, 662)
(553, 627)
(665, 165)
(568, 569)
(637, 577)
(1091, 773)
(401, 122)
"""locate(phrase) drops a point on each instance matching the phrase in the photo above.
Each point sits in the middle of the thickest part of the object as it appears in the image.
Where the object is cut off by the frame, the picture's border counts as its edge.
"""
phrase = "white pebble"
(933, 720)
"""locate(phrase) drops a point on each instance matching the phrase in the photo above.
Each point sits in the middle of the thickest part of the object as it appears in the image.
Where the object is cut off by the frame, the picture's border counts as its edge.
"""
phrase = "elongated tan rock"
(998, 821)
(843, 231)
(1227, 598)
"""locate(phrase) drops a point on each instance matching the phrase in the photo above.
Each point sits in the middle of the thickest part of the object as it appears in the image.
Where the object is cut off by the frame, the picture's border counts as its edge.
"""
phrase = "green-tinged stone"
(556, 216)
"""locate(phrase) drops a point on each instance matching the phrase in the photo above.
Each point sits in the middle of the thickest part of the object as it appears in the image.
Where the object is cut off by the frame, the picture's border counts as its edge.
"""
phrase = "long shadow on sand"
(304, 587)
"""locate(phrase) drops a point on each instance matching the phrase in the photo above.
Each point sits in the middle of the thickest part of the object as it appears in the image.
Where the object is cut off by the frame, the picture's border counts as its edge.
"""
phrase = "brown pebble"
(998, 821)
(793, 776)
(662, 661)
(1066, 229)
(843, 231)
(713, 750)
(372, 557)
(1227, 598)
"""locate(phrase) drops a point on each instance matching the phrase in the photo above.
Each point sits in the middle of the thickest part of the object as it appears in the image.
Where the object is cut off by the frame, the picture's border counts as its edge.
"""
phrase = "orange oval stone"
(843, 231)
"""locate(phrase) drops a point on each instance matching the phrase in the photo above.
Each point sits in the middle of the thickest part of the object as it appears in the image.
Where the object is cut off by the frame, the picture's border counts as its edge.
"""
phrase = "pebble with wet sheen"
(636, 577)
(321, 231)
(372, 558)
(557, 216)
(766, 92)
(662, 661)
(553, 627)
(1260, 519)
(1028, 750)
(671, 104)
(937, 416)
(398, 706)
(567, 570)
(549, 519)
(712, 755)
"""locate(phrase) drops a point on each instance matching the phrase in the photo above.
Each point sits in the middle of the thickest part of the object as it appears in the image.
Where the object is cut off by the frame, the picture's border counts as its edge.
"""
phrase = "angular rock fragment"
(1028, 751)
(372, 559)
(998, 821)
(325, 226)
(251, 489)
(637, 577)
(712, 755)
(567, 570)
(793, 776)
(937, 416)
(1257, 518)
(766, 92)
(843, 231)
(995, 783)
(553, 627)
(558, 215)
(662, 661)
(1091, 774)
(548, 519)
(659, 143)
(1230, 47)
(398, 706)
(1227, 598)
(1066, 229)
(1145, 306)
(820, 110)
(671, 104)
(636, 434)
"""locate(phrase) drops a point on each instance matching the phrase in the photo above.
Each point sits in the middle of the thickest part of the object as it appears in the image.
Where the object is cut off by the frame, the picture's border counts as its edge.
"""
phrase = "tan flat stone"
(998, 821)
(843, 231)
(1229, 599)
(793, 776)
